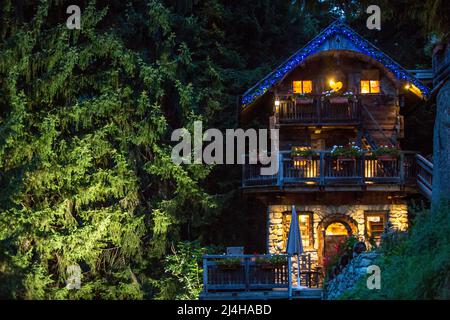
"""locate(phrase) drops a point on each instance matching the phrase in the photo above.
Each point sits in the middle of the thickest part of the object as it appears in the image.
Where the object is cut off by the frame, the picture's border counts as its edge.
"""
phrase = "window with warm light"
(370, 86)
(370, 82)
(305, 223)
(303, 86)
(375, 223)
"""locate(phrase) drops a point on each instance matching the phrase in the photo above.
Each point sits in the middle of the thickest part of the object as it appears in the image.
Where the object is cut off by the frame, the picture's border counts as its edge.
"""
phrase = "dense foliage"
(416, 265)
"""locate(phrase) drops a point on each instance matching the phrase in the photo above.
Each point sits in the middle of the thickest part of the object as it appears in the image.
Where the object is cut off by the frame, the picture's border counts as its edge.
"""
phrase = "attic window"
(370, 86)
(370, 81)
(303, 86)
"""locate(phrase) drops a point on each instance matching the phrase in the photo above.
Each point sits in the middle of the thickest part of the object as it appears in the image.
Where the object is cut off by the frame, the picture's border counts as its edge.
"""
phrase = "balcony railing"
(245, 273)
(316, 110)
(324, 169)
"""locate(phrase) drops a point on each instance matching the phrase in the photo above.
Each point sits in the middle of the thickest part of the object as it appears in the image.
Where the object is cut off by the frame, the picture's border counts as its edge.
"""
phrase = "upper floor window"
(370, 82)
(303, 86)
(370, 86)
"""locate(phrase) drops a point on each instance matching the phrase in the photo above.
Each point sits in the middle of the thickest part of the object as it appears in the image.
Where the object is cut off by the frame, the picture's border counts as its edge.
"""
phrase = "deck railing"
(324, 169)
(316, 110)
(245, 272)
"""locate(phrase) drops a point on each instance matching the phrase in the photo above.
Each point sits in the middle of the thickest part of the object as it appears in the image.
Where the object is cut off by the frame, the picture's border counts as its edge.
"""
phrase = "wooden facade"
(364, 110)
(334, 197)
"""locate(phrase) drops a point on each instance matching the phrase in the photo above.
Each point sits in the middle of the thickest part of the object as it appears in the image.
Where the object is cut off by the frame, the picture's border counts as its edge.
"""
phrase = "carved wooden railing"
(245, 273)
(424, 176)
(324, 169)
(316, 110)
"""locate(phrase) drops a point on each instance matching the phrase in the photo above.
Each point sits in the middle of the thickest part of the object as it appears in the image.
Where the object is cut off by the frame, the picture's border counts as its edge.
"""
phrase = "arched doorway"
(335, 234)
(332, 231)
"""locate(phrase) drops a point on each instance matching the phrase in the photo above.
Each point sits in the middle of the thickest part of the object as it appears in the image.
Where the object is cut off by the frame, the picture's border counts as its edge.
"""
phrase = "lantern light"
(277, 102)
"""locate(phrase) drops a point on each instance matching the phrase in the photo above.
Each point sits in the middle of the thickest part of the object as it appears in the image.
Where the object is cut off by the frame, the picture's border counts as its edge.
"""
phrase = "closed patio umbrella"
(294, 244)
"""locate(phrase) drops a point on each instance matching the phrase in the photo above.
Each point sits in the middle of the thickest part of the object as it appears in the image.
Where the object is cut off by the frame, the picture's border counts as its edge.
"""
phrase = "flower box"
(304, 101)
(386, 157)
(345, 158)
(229, 266)
(338, 100)
(301, 158)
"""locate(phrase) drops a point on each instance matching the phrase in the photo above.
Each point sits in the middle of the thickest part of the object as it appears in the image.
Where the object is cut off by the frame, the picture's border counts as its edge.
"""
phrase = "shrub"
(415, 266)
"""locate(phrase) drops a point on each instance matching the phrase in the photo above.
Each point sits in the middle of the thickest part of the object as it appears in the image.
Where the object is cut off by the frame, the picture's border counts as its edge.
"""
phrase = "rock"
(349, 276)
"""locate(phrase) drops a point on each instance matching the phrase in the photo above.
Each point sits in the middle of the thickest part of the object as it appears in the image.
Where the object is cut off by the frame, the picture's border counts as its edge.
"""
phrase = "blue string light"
(360, 45)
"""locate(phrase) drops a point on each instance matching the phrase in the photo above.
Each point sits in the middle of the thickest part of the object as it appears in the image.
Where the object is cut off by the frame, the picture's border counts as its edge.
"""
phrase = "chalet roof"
(348, 40)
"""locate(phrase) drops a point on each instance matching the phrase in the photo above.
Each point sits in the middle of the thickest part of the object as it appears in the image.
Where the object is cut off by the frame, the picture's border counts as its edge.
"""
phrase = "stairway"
(424, 176)
(368, 141)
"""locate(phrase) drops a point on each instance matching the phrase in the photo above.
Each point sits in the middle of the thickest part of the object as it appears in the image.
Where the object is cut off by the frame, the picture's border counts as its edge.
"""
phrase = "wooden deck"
(318, 111)
(305, 294)
(262, 277)
(325, 170)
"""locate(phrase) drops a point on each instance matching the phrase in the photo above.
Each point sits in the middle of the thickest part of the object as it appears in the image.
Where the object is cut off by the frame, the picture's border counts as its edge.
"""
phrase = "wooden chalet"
(335, 196)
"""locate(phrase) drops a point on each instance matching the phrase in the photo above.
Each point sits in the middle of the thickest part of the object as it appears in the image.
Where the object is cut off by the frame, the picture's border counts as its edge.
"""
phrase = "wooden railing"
(317, 111)
(324, 169)
(424, 176)
(244, 273)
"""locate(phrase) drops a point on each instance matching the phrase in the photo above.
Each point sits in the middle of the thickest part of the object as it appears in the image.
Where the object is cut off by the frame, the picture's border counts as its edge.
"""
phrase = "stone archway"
(341, 223)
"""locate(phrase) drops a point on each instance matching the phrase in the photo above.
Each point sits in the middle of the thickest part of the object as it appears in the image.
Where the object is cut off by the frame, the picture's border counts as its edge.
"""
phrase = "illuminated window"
(304, 86)
(370, 82)
(375, 223)
(370, 86)
(305, 224)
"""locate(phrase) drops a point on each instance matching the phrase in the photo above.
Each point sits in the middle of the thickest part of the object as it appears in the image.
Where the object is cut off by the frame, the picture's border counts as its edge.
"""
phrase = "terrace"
(330, 172)
(315, 110)
(244, 276)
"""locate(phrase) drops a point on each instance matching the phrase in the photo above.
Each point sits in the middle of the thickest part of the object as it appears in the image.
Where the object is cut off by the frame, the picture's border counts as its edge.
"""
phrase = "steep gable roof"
(347, 39)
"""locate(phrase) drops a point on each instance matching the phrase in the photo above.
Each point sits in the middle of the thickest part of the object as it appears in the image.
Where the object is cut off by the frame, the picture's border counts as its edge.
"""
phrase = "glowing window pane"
(365, 86)
(307, 86)
(304, 222)
(374, 86)
(297, 86)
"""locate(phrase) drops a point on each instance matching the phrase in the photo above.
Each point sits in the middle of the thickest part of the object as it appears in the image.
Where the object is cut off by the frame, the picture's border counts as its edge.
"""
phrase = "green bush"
(183, 278)
(416, 266)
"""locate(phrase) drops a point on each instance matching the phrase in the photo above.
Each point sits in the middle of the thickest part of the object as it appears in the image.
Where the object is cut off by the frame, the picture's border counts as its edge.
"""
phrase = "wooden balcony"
(317, 111)
(326, 171)
(249, 277)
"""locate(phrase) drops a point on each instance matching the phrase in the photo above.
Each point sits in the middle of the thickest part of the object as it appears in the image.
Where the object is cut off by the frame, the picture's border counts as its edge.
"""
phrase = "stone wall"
(397, 215)
(347, 279)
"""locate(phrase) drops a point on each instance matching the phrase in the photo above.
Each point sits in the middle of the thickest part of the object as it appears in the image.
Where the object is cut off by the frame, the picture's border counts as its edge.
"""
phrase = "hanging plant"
(302, 153)
(350, 152)
(302, 98)
(387, 153)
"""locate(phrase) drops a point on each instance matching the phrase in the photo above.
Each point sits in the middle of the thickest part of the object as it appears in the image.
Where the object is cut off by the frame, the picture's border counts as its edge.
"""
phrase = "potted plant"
(229, 263)
(338, 98)
(334, 97)
(302, 98)
(349, 152)
(385, 153)
(302, 153)
(271, 261)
